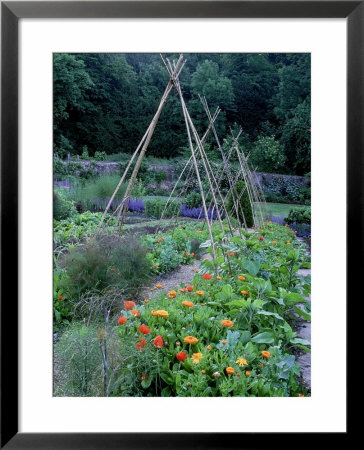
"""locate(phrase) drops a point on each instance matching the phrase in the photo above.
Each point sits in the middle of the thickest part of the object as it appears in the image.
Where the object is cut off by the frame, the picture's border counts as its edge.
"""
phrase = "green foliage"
(193, 199)
(244, 206)
(62, 208)
(159, 175)
(105, 261)
(100, 156)
(299, 215)
(267, 155)
(154, 207)
(79, 363)
(106, 101)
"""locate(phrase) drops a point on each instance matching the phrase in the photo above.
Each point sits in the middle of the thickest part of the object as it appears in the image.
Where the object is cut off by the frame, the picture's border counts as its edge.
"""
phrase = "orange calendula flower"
(129, 305)
(146, 300)
(265, 354)
(196, 358)
(230, 370)
(159, 313)
(247, 373)
(208, 347)
(122, 320)
(187, 303)
(160, 239)
(192, 254)
(190, 340)
(227, 323)
(159, 286)
(189, 288)
(135, 312)
(203, 372)
(274, 242)
(172, 294)
(158, 342)
(199, 292)
(141, 344)
(242, 362)
(241, 278)
(182, 290)
(238, 374)
(300, 395)
(144, 329)
(181, 356)
(206, 276)
(218, 277)
(245, 292)
(224, 342)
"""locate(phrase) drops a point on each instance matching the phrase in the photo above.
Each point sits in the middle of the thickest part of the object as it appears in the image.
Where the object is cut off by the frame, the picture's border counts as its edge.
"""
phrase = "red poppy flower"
(181, 356)
(129, 305)
(158, 342)
(144, 329)
(122, 320)
(141, 344)
(189, 288)
(206, 276)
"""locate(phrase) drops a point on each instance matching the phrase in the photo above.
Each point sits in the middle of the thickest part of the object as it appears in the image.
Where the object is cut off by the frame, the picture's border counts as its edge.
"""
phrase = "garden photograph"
(181, 225)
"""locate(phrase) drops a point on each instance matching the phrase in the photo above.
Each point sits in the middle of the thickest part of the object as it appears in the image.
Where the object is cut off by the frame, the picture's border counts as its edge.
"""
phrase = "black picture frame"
(11, 12)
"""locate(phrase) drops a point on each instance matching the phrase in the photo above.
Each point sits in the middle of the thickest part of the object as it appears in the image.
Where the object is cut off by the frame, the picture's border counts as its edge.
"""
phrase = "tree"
(244, 206)
(268, 155)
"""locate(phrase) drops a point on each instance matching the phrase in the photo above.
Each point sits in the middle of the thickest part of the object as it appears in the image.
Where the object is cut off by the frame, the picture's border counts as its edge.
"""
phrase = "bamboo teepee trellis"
(198, 155)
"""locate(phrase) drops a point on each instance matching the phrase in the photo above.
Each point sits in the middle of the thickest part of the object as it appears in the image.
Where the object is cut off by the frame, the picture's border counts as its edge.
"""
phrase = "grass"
(277, 209)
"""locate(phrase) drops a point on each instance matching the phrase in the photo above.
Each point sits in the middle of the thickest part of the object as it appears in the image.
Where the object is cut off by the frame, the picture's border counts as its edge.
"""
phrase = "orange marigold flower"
(227, 323)
(245, 292)
(199, 292)
(187, 303)
(144, 329)
(158, 342)
(218, 278)
(189, 288)
(172, 294)
(190, 340)
(230, 370)
(224, 342)
(208, 347)
(159, 286)
(122, 320)
(274, 242)
(128, 304)
(160, 313)
(265, 354)
(206, 276)
(146, 300)
(181, 356)
(135, 312)
(196, 358)
(141, 344)
(241, 278)
(248, 372)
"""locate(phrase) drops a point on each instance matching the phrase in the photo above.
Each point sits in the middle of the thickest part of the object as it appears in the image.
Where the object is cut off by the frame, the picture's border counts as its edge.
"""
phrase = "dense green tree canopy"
(105, 101)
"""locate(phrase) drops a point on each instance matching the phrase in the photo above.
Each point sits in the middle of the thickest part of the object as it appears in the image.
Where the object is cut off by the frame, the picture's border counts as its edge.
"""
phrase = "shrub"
(155, 206)
(62, 208)
(193, 200)
(299, 215)
(169, 259)
(100, 156)
(106, 261)
(244, 206)
(159, 175)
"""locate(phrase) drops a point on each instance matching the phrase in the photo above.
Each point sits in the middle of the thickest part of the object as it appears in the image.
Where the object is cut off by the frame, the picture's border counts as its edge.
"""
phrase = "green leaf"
(245, 337)
(252, 267)
(146, 383)
(300, 341)
(263, 338)
(267, 313)
(302, 313)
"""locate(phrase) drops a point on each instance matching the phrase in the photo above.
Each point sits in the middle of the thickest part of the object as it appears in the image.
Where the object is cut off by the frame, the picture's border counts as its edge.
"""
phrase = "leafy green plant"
(299, 215)
(244, 206)
(100, 156)
(62, 208)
